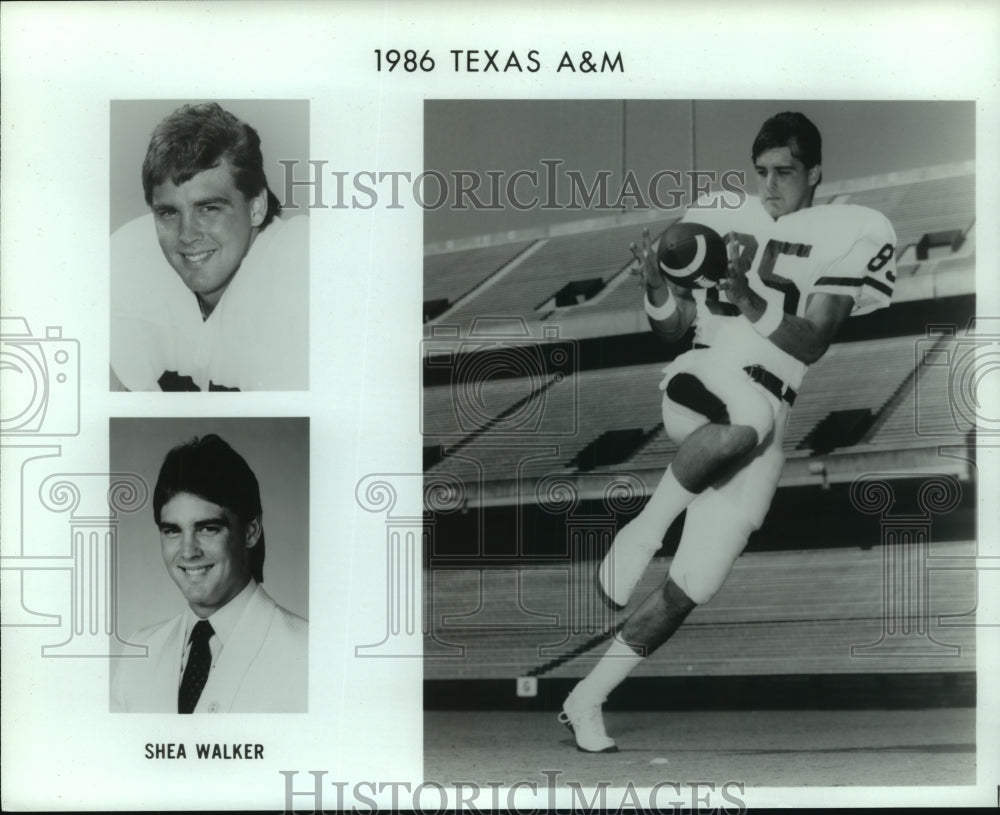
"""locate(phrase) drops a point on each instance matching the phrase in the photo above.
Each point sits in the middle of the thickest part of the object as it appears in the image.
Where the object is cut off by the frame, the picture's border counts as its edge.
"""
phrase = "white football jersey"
(256, 338)
(834, 248)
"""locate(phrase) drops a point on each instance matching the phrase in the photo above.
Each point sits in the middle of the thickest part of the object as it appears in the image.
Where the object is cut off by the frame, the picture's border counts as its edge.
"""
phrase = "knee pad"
(711, 542)
(702, 584)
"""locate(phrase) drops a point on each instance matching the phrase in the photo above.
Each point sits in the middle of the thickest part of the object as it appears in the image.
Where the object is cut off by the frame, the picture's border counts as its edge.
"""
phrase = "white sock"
(668, 500)
(610, 671)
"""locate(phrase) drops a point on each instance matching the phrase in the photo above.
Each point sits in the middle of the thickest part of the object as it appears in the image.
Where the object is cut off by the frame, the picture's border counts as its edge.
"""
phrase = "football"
(692, 255)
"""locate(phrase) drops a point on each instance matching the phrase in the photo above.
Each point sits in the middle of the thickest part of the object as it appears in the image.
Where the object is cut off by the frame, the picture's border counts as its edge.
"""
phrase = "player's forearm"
(669, 316)
(795, 336)
(800, 338)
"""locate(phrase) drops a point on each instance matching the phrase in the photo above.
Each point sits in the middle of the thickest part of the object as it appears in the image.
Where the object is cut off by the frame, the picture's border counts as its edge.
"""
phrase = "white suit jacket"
(263, 668)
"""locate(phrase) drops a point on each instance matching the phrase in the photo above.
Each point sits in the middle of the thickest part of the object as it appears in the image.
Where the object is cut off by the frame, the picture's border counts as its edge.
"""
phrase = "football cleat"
(587, 726)
(626, 561)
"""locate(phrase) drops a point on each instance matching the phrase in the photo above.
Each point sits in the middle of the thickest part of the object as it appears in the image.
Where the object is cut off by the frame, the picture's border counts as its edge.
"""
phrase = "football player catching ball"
(795, 273)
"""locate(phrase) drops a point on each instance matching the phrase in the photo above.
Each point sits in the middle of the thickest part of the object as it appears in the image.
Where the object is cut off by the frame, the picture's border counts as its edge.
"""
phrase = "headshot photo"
(209, 266)
(213, 567)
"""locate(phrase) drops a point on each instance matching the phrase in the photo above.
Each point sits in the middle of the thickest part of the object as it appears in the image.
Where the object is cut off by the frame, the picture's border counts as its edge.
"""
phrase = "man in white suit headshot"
(233, 650)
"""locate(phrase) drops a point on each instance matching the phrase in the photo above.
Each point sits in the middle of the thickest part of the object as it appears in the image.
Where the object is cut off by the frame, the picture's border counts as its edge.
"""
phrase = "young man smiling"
(796, 272)
(222, 305)
(205, 227)
(234, 649)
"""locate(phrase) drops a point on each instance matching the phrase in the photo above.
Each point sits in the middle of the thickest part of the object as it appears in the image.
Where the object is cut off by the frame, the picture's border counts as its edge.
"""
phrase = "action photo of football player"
(795, 273)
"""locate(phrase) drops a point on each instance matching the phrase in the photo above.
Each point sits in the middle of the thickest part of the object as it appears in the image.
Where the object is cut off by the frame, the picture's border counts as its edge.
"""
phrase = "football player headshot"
(209, 287)
(790, 275)
(232, 649)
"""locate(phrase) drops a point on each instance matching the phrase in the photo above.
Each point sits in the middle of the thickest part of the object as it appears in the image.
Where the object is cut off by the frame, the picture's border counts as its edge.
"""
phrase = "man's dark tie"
(198, 664)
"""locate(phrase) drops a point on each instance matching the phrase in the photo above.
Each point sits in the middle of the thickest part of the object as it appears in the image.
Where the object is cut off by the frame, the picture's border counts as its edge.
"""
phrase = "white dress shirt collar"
(225, 619)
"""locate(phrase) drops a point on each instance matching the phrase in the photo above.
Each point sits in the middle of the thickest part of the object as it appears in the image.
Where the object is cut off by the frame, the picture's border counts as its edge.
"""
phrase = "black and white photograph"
(209, 271)
(498, 406)
(691, 383)
(215, 566)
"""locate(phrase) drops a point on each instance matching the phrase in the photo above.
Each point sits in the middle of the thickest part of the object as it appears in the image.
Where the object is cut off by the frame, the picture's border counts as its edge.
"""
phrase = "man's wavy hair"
(210, 469)
(195, 138)
(794, 131)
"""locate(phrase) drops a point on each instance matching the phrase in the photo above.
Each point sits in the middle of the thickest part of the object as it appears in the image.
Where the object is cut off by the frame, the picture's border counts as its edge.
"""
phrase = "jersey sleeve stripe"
(839, 281)
(856, 281)
(879, 286)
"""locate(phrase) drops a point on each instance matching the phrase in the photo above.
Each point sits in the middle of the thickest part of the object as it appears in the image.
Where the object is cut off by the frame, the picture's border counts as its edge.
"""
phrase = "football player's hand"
(735, 282)
(646, 266)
